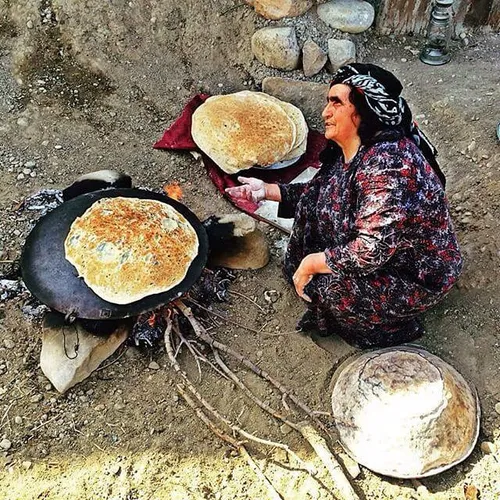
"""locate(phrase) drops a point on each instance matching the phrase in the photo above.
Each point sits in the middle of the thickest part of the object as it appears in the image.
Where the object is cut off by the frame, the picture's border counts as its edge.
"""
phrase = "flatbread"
(298, 119)
(128, 248)
(241, 130)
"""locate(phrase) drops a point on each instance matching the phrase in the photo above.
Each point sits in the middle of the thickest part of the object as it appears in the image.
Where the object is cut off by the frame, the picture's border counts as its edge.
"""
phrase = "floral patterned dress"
(384, 224)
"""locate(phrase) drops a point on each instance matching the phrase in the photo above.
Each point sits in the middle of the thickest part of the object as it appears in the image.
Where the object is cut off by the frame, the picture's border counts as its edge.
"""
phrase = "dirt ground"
(87, 85)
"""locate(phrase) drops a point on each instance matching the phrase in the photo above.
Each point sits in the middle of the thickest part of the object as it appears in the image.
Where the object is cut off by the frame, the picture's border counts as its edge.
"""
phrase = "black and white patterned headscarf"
(382, 92)
(388, 109)
(383, 100)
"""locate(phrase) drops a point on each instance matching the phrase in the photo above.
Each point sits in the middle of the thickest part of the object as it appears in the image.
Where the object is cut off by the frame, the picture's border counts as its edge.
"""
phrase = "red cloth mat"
(178, 136)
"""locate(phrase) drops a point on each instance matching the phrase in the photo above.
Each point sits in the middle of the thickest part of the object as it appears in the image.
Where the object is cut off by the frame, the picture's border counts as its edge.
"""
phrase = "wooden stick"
(193, 350)
(216, 414)
(308, 432)
(218, 432)
(316, 441)
(334, 468)
(190, 348)
(231, 441)
(250, 394)
(202, 333)
(221, 316)
(238, 294)
(273, 494)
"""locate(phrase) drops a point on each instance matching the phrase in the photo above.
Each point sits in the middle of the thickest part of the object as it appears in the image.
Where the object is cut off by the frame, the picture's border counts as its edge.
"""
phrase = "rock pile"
(278, 47)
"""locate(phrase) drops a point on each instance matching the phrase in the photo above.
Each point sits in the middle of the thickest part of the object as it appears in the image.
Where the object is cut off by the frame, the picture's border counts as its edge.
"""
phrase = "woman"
(372, 245)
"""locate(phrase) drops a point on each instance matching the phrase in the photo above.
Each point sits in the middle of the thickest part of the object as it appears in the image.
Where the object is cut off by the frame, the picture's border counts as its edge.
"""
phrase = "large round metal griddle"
(54, 280)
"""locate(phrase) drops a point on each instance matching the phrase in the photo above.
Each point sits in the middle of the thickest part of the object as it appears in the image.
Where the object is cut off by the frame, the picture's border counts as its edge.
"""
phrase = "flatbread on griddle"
(241, 130)
(128, 248)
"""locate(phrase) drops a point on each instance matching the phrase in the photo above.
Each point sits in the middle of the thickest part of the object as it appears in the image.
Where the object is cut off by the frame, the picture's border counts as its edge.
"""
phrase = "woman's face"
(340, 116)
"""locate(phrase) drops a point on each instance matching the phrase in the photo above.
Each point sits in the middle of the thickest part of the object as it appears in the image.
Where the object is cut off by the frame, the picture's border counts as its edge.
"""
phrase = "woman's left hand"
(314, 263)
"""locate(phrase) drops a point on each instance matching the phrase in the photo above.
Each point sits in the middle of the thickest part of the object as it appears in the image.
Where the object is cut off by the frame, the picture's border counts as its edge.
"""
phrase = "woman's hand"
(252, 189)
(255, 190)
(314, 263)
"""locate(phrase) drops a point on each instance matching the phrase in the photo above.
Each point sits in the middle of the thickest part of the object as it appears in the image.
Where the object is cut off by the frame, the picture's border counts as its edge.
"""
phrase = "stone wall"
(405, 16)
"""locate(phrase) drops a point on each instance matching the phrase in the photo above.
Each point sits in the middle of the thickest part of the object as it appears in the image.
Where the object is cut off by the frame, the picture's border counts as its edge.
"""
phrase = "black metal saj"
(436, 49)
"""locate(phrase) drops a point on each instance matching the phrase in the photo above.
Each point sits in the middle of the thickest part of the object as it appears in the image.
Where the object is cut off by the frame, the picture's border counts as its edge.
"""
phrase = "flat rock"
(350, 16)
(276, 48)
(313, 58)
(277, 9)
(309, 97)
(340, 52)
(62, 365)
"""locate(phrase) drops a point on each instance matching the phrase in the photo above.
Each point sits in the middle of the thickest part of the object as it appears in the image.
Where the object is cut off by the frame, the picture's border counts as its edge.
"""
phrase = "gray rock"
(63, 366)
(351, 16)
(285, 429)
(313, 58)
(5, 444)
(277, 9)
(340, 52)
(309, 97)
(276, 47)
(9, 344)
(154, 365)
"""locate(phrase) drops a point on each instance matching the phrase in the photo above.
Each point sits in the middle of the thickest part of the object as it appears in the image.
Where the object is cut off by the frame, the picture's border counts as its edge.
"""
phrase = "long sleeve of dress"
(290, 194)
(382, 185)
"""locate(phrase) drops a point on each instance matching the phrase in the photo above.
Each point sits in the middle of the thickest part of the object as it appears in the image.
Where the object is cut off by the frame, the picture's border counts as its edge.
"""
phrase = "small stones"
(5, 444)
(18, 420)
(154, 365)
(29, 24)
(285, 429)
(488, 447)
(276, 47)
(471, 147)
(9, 344)
(36, 398)
(497, 407)
(115, 469)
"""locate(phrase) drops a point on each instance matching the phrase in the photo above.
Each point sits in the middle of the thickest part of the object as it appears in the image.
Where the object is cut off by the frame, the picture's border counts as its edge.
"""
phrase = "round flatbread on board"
(128, 248)
(241, 130)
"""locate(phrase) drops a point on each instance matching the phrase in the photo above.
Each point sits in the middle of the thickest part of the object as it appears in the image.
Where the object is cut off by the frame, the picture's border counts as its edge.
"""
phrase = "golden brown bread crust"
(241, 130)
(128, 248)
